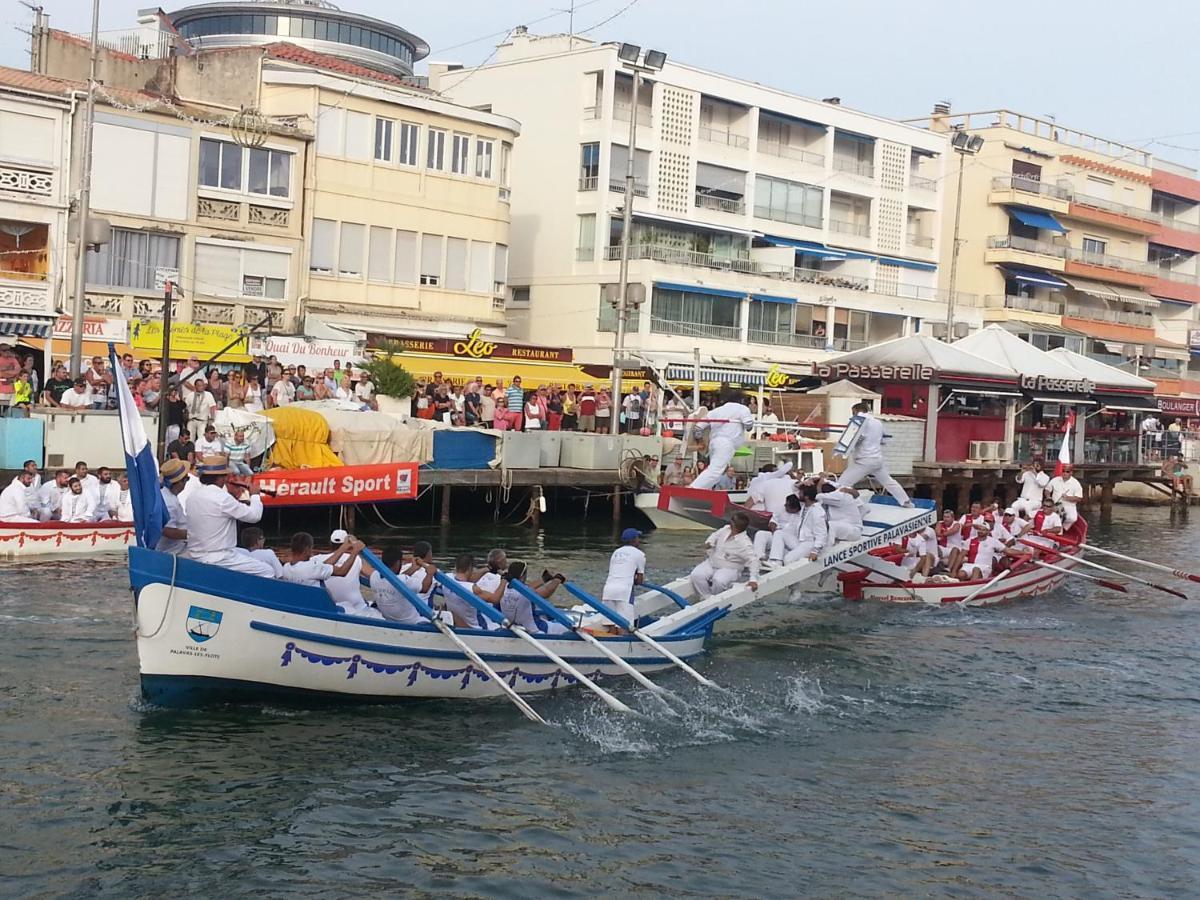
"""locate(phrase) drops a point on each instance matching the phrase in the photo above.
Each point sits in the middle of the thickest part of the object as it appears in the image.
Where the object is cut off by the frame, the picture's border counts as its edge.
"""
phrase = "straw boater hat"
(174, 471)
(214, 465)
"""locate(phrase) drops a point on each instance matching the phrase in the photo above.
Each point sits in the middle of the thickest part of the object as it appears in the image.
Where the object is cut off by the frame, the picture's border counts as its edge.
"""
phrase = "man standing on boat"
(866, 456)
(730, 422)
(770, 488)
(1033, 483)
(729, 552)
(1066, 491)
(626, 569)
(213, 511)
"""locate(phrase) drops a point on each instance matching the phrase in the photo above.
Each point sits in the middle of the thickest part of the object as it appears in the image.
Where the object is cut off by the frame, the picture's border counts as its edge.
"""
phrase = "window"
(460, 149)
(500, 269)
(520, 298)
(129, 259)
(358, 135)
(586, 248)
(270, 172)
(1026, 176)
(589, 166)
(24, 250)
(788, 201)
(483, 159)
(768, 318)
(1100, 188)
(322, 254)
(480, 279)
(1094, 246)
(431, 259)
(456, 264)
(408, 144)
(220, 164)
(379, 255)
(350, 250)
(331, 131)
(383, 139)
(406, 257)
(437, 149)
(695, 314)
(505, 159)
(262, 286)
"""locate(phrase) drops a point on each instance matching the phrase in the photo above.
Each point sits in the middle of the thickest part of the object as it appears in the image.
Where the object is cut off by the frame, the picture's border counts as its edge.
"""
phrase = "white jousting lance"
(427, 611)
(1111, 585)
(620, 620)
(1095, 565)
(490, 612)
(557, 615)
(1178, 573)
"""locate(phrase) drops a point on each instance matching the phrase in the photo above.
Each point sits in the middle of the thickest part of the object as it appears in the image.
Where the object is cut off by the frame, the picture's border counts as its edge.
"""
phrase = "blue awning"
(719, 374)
(811, 248)
(699, 289)
(908, 263)
(1034, 276)
(854, 136)
(1035, 219)
(771, 298)
(16, 325)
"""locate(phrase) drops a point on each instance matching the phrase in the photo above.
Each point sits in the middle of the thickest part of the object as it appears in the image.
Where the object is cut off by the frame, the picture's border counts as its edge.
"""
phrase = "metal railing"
(1172, 275)
(1120, 209)
(683, 257)
(790, 151)
(862, 229)
(660, 325)
(853, 166)
(136, 42)
(786, 339)
(1178, 224)
(780, 215)
(1118, 316)
(607, 320)
(1108, 261)
(640, 189)
(588, 182)
(621, 113)
(724, 204)
(1030, 186)
(723, 136)
(593, 112)
(920, 240)
(920, 182)
(1029, 304)
(1026, 245)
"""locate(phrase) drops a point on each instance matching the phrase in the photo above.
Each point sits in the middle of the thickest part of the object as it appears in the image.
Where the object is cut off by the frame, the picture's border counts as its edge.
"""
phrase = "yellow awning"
(458, 369)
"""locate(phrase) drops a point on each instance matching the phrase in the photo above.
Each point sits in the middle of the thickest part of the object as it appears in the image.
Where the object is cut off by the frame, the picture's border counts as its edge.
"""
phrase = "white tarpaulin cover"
(363, 437)
(1001, 345)
(923, 350)
(1102, 373)
(260, 433)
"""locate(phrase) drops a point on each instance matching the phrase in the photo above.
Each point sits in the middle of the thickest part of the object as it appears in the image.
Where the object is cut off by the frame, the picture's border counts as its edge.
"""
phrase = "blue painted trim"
(540, 602)
(699, 289)
(907, 263)
(608, 613)
(482, 607)
(810, 247)
(667, 592)
(771, 298)
(372, 646)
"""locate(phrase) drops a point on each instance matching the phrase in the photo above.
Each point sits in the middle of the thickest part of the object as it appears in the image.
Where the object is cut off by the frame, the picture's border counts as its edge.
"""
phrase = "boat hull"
(20, 540)
(687, 509)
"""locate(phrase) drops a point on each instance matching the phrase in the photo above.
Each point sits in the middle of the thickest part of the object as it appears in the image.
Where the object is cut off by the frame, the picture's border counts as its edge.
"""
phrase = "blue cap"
(630, 534)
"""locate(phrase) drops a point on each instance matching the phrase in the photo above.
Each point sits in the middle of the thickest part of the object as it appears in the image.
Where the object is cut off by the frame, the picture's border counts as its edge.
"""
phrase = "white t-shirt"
(739, 421)
(869, 445)
(14, 503)
(986, 551)
(1032, 484)
(364, 390)
(262, 554)
(626, 563)
(1060, 487)
(461, 607)
(74, 399)
(391, 603)
(205, 447)
(312, 572)
(345, 589)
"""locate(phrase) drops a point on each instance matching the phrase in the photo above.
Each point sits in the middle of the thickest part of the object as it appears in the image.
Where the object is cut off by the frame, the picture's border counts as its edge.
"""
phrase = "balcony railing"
(1108, 261)
(607, 320)
(640, 188)
(588, 182)
(862, 229)
(791, 218)
(1029, 185)
(1117, 316)
(1178, 224)
(593, 112)
(1120, 209)
(791, 151)
(621, 113)
(853, 166)
(724, 204)
(680, 256)
(1029, 304)
(786, 339)
(917, 239)
(723, 136)
(1173, 275)
(1026, 245)
(24, 293)
(921, 183)
(659, 325)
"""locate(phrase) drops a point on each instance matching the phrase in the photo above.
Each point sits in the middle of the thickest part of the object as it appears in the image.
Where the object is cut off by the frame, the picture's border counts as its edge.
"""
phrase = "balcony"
(1176, 286)
(1007, 248)
(722, 204)
(1178, 234)
(787, 339)
(1024, 191)
(858, 229)
(853, 166)
(1106, 267)
(791, 151)
(621, 113)
(640, 188)
(35, 182)
(659, 325)
(916, 239)
(921, 183)
(1118, 216)
(1115, 316)
(1025, 304)
(680, 256)
(588, 182)
(723, 136)
(26, 295)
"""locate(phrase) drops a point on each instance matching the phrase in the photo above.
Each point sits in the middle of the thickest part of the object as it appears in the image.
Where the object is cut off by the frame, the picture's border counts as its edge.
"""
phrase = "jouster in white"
(843, 511)
(866, 456)
(727, 432)
(783, 534)
(730, 551)
(1066, 491)
(768, 490)
(78, 505)
(812, 534)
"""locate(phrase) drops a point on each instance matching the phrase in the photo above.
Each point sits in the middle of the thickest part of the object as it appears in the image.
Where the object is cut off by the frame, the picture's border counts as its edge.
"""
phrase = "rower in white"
(390, 602)
(14, 501)
(51, 494)
(1046, 522)
(770, 487)
(866, 456)
(307, 569)
(920, 552)
(812, 534)
(729, 552)
(174, 474)
(781, 533)
(518, 609)
(843, 511)
(346, 590)
(726, 433)
(951, 542)
(1066, 491)
(1033, 483)
(980, 556)
(253, 542)
(106, 494)
(213, 512)
(626, 569)
(77, 505)
(465, 615)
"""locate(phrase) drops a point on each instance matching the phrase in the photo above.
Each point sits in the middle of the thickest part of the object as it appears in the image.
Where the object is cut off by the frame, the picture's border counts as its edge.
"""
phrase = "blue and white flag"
(149, 510)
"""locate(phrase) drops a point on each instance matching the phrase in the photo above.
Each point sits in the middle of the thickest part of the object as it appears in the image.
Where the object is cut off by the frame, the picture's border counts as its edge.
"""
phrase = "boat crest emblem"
(202, 623)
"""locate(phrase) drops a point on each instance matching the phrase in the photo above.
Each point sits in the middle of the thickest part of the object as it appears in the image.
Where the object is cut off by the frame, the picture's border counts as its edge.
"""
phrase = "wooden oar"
(983, 587)
(559, 616)
(427, 611)
(622, 622)
(491, 613)
(1178, 573)
(1111, 585)
(1095, 565)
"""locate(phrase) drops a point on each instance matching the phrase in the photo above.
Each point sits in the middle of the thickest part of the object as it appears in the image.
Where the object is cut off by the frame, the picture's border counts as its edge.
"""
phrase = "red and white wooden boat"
(21, 539)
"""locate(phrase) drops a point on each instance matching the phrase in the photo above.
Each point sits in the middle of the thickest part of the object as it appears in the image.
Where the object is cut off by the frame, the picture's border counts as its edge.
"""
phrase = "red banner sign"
(340, 484)
(1180, 406)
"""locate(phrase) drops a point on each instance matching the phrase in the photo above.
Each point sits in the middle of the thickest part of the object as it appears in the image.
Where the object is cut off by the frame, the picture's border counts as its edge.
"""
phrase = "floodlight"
(629, 53)
(655, 59)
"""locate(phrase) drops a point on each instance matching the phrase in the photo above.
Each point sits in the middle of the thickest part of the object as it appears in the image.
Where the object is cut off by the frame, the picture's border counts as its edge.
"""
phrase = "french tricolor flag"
(149, 511)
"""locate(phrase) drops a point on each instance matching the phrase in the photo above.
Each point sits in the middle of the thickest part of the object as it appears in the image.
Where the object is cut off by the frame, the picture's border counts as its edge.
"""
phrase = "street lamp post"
(964, 145)
(633, 60)
(84, 208)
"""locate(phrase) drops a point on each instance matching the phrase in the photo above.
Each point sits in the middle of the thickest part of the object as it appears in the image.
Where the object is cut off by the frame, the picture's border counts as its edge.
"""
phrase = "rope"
(166, 606)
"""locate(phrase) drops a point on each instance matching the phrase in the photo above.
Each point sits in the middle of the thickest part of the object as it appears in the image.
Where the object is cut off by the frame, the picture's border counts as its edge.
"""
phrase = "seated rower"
(14, 500)
(1046, 522)
(812, 534)
(729, 551)
(465, 615)
(392, 604)
(1011, 527)
(626, 569)
(921, 552)
(253, 543)
(980, 556)
(78, 505)
(489, 586)
(518, 608)
(781, 532)
(950, 540)
(305, 569)
(346, 590)
(420, 571)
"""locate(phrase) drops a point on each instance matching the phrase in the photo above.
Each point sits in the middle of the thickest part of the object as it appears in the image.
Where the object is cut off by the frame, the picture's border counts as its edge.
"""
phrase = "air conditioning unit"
(987, 451)
(1004, 452)
(937, 330)
(977, 450)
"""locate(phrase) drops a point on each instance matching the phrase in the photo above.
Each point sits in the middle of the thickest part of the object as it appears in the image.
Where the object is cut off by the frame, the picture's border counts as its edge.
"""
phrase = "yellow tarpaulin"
(301, 439)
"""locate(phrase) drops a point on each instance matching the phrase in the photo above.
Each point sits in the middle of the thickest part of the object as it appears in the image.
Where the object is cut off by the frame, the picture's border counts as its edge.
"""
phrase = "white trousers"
(859, 469)
(708, 579)
(1070, 515)
(235, 561)
(844, 531)
(1027, 509)
(720, 455)
(776, 543)
(802, 551)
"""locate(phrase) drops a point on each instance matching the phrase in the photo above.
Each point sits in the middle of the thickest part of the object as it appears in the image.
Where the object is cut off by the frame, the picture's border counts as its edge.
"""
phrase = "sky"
(1121, 69)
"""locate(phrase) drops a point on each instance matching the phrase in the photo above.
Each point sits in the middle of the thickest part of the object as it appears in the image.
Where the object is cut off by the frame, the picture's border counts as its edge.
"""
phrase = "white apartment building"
(35, 138)
(766, 225)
